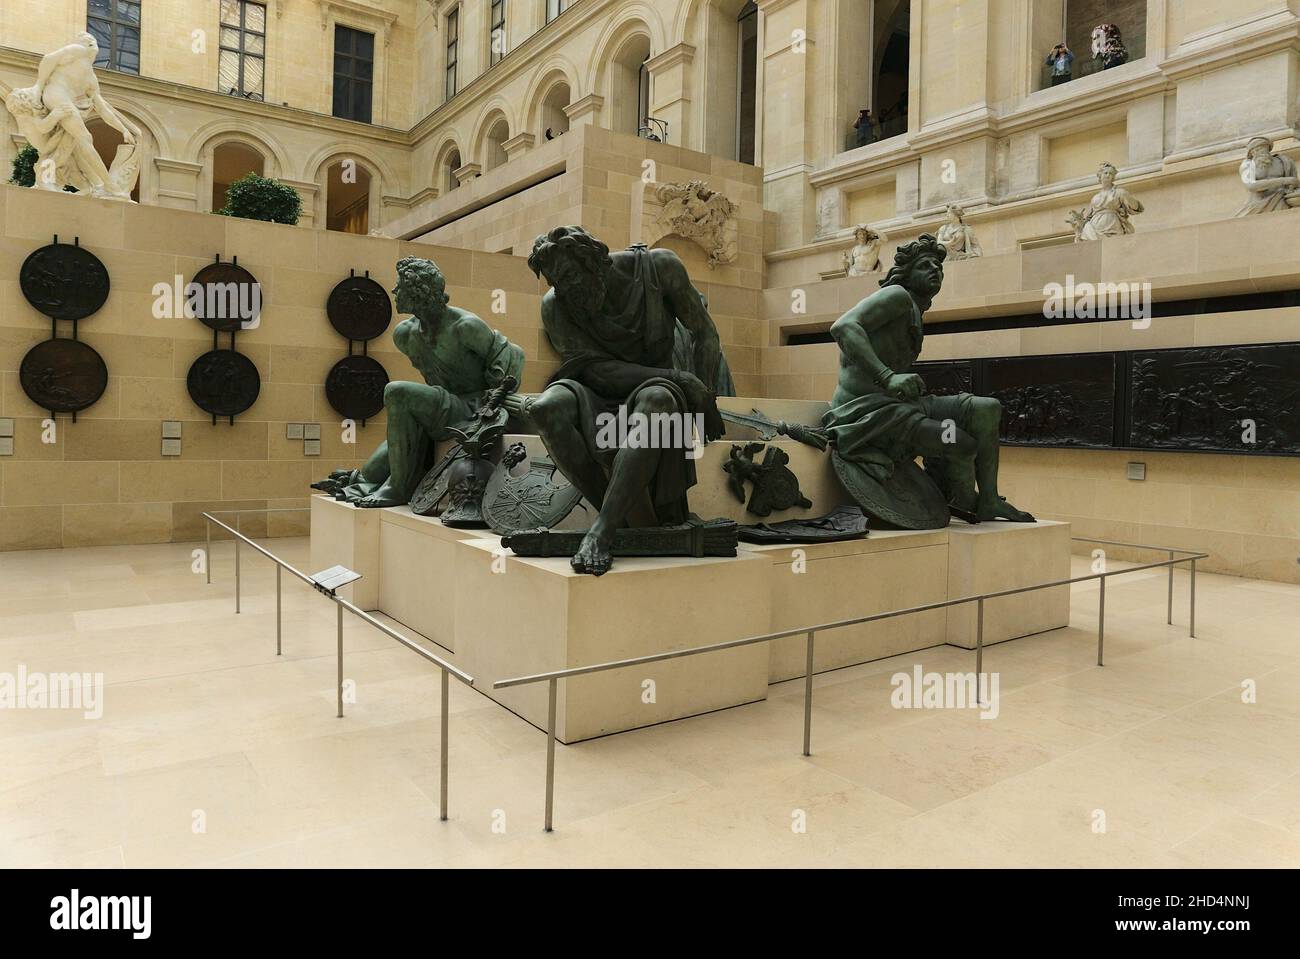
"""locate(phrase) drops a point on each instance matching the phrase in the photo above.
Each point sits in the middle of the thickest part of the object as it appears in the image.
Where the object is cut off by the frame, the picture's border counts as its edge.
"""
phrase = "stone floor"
(204, 726)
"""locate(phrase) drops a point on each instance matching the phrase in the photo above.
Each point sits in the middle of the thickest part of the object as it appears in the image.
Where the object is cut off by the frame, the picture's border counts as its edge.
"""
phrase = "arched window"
(890, 67)
(449, 168)
(230, 161)
(554, 120)
(494, 153)
(347, 198)
(629, 85)
(107, 140)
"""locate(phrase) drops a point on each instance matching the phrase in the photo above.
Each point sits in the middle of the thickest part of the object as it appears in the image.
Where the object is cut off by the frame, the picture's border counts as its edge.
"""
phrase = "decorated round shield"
(63, 376)
(223, 382)
(355, 387)
(908, 499)
(63, 281)
(359, 308)
(229, 298)
(428, 496)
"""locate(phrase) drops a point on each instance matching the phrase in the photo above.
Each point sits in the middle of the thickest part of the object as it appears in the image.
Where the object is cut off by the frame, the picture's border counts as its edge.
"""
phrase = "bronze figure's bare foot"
(386, 495)
(999, 508)
(593, 555)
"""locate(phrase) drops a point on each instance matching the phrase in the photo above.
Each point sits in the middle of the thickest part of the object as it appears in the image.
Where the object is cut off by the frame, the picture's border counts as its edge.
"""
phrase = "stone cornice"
(682, 53)
(126, 83)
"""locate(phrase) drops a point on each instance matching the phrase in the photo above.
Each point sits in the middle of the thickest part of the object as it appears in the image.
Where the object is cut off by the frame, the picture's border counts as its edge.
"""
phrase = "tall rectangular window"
(453, 47)
(497, 37)
(354, 73)
(554, 8)
(115, 25)
(242, 67)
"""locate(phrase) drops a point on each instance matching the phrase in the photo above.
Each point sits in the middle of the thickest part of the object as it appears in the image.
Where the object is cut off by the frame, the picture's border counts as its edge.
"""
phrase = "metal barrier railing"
(553, 678)
(341, 604)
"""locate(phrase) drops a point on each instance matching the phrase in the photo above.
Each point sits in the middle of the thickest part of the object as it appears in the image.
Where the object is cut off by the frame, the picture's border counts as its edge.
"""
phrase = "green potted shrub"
(255, 197)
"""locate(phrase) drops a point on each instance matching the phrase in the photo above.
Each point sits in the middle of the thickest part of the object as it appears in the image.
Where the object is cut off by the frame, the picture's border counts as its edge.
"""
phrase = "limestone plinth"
(518, 616)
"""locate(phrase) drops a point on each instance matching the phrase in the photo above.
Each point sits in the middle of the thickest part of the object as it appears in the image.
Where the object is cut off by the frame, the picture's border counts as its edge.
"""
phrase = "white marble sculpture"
(864, 256)
(694, 211)
(1107, 214)
(957, 237)
(52, 116)
(1270, 179)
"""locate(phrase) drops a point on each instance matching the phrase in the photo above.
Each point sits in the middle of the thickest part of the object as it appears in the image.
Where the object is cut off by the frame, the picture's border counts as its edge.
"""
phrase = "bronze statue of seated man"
(461, 359)
(881, 416)
(612, 319)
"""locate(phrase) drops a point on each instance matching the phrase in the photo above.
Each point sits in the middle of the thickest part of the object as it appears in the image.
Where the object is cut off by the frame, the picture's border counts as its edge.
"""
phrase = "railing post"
(1169, 618)
(1101, 617)
(979, 647)
(236, 574)
(807, 698)
(1191, 614)
(207, 547)
(442, 781)
(550, 752)
(339, 609)
(278, 620)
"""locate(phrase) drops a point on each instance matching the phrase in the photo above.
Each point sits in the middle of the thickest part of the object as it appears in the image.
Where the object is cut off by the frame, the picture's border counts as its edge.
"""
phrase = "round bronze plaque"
(359, 308)
(230, 298)
(355, 387)
(223, 382)
(64, 282)
(63, 375)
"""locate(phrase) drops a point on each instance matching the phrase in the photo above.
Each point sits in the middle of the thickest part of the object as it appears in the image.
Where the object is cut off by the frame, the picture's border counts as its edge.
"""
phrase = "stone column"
(518, 145)
(670, 74)
(179, 184)
(585, 110)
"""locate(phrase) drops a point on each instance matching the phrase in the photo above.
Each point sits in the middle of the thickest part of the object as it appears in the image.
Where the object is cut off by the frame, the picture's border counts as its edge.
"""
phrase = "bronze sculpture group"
(635, 338)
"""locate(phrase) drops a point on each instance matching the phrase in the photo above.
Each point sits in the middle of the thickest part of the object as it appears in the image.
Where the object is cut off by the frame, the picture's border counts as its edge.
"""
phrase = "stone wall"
(105, 481)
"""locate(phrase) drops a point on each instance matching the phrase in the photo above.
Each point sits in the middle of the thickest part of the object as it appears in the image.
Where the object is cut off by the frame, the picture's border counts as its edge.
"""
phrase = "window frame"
(451, 54)
(559, 6)
(115, 23)
(494, 55)
(353, 79)
(241, 53)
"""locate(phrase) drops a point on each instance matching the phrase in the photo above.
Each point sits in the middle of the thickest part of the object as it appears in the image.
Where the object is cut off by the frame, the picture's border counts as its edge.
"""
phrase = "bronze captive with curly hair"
(906, 256)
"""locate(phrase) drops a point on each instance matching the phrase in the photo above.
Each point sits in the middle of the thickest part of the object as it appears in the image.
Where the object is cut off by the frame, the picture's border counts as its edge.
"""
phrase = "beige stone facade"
(476, 175)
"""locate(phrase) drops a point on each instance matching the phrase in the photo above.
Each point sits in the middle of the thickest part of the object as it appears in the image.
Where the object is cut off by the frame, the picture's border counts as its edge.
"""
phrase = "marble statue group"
(53, 116)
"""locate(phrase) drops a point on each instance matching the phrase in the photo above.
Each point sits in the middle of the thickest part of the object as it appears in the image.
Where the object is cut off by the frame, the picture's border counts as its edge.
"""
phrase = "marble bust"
(864, 256)
(1270, 179)
(1108, 212)
(957, 237)
(52, 116)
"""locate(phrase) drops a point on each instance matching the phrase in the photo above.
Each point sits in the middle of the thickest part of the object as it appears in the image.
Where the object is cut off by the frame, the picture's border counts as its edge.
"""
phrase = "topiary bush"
(255, 197)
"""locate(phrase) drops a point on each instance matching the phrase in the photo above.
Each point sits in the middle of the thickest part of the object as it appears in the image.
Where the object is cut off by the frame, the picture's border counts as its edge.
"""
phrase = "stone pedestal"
(994, 556)
(518, 616)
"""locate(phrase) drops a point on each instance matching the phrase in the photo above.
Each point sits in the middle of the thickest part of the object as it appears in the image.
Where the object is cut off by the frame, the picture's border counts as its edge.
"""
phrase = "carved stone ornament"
(696, 212)
(775, 485)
